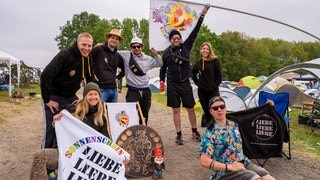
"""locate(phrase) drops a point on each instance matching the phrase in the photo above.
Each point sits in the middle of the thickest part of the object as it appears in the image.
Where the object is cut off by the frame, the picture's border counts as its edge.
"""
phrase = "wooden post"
(140, 113)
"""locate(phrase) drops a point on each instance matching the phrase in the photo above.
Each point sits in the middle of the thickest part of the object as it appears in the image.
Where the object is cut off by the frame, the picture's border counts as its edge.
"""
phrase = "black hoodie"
(63, 75)
(106, 63)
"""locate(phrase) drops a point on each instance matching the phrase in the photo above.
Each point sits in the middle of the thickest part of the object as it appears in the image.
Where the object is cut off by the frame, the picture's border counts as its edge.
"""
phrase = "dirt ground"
(21, 136)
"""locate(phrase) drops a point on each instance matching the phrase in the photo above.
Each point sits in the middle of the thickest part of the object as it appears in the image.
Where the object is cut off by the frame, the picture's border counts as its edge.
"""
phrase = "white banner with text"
(85, 153)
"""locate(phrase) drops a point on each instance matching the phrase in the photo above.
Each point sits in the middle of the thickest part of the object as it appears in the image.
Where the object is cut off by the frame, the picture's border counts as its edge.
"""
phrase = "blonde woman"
(90, 111)
(206, 73)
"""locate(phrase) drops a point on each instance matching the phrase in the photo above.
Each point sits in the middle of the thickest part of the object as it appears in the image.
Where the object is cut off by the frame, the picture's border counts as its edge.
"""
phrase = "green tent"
(262, 78)
(251, 81)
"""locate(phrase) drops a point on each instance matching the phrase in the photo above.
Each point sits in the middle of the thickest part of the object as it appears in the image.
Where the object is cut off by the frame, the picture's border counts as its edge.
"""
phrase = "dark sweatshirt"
(178, 69)
(63, 75)
(106, 63)
(209, 78)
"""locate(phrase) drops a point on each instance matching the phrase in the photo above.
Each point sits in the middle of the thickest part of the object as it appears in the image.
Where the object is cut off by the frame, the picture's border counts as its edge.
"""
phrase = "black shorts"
(180, 91)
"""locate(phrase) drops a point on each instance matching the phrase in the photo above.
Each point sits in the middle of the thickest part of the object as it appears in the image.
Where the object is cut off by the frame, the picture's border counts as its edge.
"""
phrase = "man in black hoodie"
(176, 66)
(61, 79)
(106, 61)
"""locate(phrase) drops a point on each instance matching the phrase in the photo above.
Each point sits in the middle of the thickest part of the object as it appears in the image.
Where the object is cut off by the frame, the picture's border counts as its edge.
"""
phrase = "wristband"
(226, 167)
(212, 164)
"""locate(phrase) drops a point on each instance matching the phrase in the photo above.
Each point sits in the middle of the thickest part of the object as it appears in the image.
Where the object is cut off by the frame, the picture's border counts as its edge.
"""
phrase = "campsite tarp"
(296, 96)
(243, 91)
(316, 86)
(233, 101)
(154, 72)
(310, 67)
(315, 93)
(195, 91)
(9, 60)
(289, 75)
(262, 78)
(154, 84)
(276, 82)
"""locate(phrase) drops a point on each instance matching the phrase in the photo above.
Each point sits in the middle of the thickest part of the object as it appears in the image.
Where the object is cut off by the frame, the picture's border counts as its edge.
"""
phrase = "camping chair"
(313, 120)
(281, 104)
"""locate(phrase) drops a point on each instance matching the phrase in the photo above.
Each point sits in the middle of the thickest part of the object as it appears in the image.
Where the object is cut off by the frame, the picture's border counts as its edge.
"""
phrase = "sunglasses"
(135, 47)
(176, 39)
(215, 108)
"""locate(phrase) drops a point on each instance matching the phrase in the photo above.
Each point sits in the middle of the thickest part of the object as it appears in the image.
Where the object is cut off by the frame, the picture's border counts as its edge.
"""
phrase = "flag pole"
(255, 15)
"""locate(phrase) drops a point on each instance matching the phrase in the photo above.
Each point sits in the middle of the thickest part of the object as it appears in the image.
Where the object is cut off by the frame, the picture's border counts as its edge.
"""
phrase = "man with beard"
(106, 61)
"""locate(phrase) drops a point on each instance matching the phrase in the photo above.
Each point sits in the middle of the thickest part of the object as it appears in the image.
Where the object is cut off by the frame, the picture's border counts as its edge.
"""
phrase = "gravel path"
(21, 136)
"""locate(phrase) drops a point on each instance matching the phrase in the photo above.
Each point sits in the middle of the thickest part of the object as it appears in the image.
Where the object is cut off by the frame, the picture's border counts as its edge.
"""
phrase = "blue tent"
(243, 91)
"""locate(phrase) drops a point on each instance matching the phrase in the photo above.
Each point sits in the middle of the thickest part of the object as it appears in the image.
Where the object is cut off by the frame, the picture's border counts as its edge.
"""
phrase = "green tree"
(99, 31)
(144, 34)
(204, 35)
(130, 28)
(79, 23)
(234, 47)
(239, 54)
(313, 49)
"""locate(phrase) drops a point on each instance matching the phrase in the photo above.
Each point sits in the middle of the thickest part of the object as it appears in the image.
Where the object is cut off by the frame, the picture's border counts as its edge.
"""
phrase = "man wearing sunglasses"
(136, 64)
(176, 71)
(221, 148)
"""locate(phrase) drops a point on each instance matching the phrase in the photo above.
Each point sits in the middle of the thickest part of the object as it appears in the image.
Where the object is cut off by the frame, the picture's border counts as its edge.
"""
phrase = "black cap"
(215, 99)
(174, 32)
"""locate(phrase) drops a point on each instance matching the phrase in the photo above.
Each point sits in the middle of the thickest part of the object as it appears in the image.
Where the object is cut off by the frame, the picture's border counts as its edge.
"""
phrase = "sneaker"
(179, 140)
(52, 176)
(196, 136)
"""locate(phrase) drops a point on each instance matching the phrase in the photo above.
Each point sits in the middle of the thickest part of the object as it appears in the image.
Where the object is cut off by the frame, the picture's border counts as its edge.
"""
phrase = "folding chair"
(281, 104)
(313, 122)
(314, 118)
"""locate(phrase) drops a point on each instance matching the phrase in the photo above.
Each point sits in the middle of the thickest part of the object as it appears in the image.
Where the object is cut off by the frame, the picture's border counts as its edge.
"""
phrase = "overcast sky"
(28, 27)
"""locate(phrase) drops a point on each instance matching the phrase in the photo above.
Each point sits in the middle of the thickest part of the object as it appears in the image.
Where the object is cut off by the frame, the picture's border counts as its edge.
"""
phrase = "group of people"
(98, 70)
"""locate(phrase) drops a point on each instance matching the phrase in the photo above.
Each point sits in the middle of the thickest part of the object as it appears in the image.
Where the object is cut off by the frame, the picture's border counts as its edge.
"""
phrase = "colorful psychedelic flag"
(166, 15)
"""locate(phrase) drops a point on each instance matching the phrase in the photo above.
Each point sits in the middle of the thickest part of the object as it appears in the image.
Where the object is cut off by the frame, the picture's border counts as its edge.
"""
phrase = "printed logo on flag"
(265, 126)
(123, 119)
(173, 16)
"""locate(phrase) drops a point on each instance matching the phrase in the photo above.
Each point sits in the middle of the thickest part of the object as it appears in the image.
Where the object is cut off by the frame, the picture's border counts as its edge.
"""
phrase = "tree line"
(240, 54)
